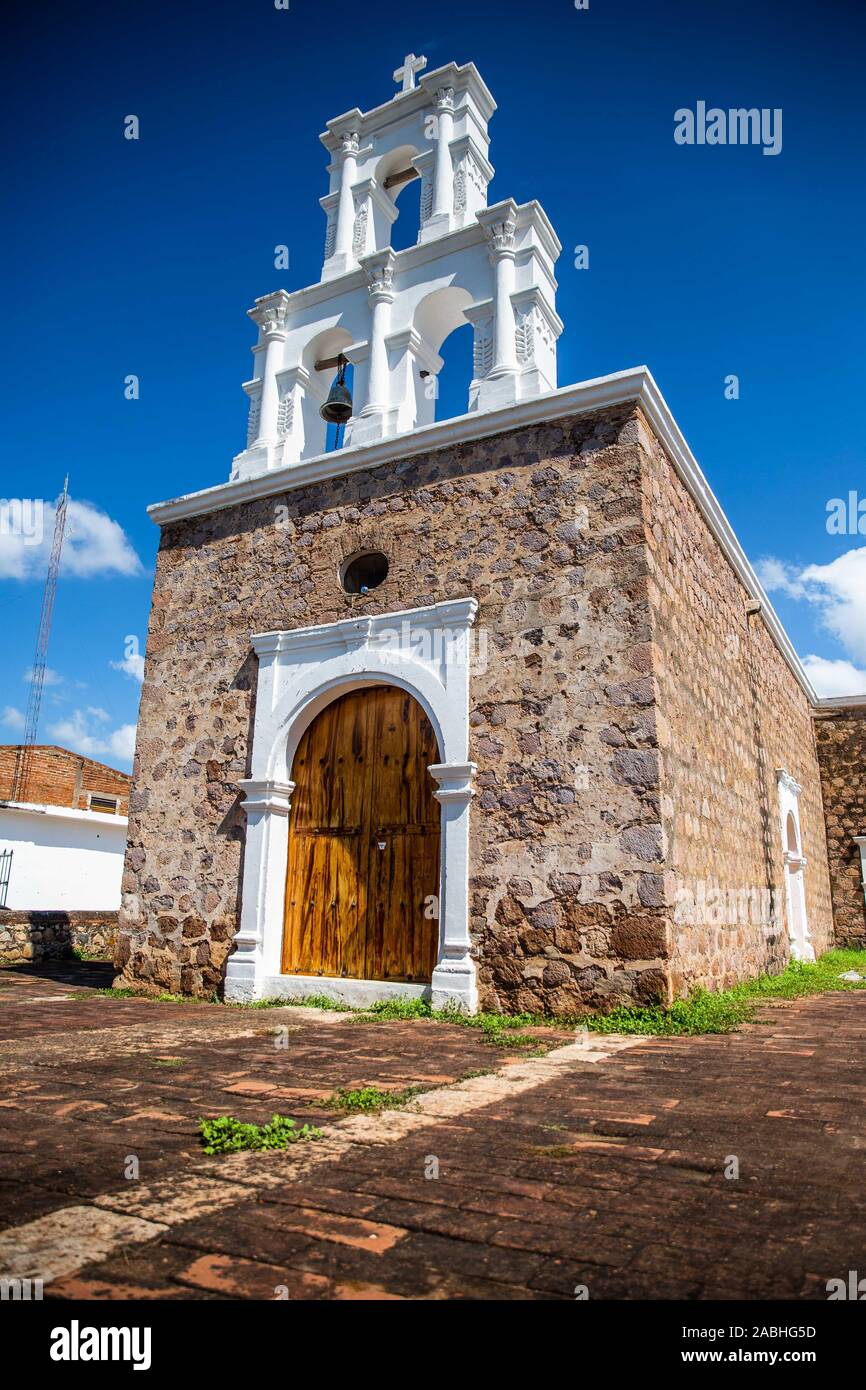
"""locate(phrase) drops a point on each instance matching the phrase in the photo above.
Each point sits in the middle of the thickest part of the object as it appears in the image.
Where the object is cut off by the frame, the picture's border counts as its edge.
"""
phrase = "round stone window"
(364, 572)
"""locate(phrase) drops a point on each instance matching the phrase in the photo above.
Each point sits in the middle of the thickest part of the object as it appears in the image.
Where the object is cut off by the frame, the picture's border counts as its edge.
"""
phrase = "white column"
(271, 316)
(502, 260)
(380, 275)
(346, 205)
(454, 978)
(443, 173)
(259, 938)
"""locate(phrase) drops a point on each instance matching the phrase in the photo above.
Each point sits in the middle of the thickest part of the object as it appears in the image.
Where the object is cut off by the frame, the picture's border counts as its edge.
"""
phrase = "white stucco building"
(62, 848)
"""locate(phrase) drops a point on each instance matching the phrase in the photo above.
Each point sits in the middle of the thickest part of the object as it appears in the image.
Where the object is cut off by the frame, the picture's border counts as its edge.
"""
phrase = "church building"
(490, 710)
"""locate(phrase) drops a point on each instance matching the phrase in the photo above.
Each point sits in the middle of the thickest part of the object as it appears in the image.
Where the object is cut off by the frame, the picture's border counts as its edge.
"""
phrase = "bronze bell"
(338, 407)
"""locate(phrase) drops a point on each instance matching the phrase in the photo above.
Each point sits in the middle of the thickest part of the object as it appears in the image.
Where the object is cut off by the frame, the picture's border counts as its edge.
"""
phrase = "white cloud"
(49, 676)
(85, 731)
(12, 717)
(93, 543)
(775, 575)
(835, 677)
(837, 591)
(132, 666)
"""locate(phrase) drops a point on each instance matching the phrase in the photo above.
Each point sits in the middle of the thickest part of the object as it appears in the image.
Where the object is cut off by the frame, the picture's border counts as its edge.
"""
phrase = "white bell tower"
(389, 312)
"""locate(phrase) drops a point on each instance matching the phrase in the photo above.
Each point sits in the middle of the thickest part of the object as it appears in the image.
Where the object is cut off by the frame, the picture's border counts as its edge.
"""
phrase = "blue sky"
(141, 257)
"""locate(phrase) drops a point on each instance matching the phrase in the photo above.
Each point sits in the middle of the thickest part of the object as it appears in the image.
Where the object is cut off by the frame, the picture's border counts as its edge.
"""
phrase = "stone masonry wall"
(26, 937)
(841, 738)
(544, 526)
(731, 713)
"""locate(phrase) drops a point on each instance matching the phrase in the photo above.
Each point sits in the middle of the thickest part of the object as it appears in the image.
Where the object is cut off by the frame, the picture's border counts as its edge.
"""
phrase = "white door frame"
(799, 938)
(860, 842)
(425, 651)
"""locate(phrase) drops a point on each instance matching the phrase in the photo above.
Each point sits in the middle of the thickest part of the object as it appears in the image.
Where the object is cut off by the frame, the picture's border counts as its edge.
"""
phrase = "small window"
(365, 572)
(102, 803)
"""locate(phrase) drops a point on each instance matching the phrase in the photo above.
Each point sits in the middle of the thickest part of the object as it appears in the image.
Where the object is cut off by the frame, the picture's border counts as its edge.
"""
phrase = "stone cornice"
(411, 258)
(464, 78)
(841, 702)
(454, 613)
(635, 385)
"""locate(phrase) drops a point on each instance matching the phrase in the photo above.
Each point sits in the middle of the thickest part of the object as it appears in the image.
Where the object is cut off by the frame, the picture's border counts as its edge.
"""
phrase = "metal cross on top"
(406, 74)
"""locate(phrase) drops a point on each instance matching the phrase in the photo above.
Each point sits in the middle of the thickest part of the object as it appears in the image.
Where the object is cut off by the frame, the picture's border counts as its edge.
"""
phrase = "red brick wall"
(59, 777)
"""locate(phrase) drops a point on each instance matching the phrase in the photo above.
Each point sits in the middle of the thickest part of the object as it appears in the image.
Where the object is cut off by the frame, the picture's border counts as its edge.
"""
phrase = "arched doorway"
(362, 877)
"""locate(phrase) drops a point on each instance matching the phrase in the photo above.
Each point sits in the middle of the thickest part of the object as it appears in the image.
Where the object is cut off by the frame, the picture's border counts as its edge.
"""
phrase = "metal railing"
(5, 871)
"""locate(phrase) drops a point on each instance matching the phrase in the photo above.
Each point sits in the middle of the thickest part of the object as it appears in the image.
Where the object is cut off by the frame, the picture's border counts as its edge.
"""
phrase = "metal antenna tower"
(24, 756)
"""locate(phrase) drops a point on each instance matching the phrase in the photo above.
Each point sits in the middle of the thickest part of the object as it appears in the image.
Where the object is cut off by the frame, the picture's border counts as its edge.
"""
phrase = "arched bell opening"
(441, 381)
(321, 360)
(397, 221)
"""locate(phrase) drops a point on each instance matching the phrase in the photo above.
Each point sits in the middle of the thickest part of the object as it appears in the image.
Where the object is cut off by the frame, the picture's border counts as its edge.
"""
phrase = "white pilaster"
(378, 416)
(501, 385)
(346, 204)
(299, 425)
(257, 950)
(502, 259)
(454, 978)
(443, 172)
(271, 316)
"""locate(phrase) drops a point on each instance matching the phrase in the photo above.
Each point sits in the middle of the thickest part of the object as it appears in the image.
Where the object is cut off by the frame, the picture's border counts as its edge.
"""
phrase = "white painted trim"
(634, 385)
(360, 994)
(795, 866)
(860, 841)
(841, 702)
(425, 651)
(64, 813)
(616, 389)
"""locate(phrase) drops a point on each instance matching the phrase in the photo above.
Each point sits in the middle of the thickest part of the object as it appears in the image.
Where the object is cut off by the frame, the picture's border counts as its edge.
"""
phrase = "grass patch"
(720, 1013)
(306, 1001)
(226, 1135)
(702, 1012)
(369, 1099)
(126, 992)
(388, 1009)
(500, 1030)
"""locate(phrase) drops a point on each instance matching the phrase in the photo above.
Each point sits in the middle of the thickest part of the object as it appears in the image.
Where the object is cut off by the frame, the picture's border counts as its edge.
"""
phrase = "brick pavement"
(599, 1167)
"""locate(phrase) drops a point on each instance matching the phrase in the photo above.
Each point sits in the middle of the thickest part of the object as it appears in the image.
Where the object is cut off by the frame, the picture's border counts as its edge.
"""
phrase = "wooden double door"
(363, 866)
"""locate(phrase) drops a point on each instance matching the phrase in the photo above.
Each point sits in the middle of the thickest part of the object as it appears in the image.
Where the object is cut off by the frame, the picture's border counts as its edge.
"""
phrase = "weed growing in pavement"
(370, 1099)
(226, 1135)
